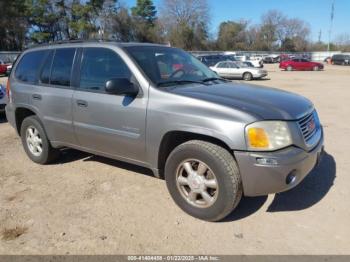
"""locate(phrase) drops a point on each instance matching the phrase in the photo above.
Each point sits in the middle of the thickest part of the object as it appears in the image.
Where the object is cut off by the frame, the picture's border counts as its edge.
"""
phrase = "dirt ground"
(86, 204)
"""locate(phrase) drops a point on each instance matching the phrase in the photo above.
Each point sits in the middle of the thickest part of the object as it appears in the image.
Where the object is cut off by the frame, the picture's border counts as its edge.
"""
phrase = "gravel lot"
(86, 204)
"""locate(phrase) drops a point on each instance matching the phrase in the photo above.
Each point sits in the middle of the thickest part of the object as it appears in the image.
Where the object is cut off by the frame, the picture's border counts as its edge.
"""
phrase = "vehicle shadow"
(247, 207)
(309, 192)
(71, 155)
(3, 118)
(119, 164)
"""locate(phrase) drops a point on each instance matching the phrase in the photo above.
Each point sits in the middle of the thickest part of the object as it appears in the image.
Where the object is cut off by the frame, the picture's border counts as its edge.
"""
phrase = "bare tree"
(186, 22)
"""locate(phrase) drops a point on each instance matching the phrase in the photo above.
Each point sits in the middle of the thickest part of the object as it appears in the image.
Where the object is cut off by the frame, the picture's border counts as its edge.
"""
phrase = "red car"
(3, 67)
(300, 64)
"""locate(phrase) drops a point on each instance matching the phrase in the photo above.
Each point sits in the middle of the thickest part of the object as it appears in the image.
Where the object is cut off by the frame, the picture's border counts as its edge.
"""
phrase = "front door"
(110, 124)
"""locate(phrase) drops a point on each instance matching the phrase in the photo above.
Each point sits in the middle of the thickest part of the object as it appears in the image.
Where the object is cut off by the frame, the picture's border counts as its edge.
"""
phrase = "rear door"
(235, 70)
(306, 64)
(55, 95)
(51, 102)
(113, 125)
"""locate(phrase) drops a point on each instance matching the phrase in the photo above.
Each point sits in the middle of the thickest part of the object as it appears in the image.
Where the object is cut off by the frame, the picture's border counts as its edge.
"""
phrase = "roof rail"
(69, 41)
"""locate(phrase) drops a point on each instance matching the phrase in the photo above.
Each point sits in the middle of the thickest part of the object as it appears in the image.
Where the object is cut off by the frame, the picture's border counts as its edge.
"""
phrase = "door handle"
(82, 103)
(36, 96)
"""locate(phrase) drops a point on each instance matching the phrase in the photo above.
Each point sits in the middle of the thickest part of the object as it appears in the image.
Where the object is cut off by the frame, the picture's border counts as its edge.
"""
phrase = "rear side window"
(29, 66)
(100, 65)
(46, 71)
(62, 66)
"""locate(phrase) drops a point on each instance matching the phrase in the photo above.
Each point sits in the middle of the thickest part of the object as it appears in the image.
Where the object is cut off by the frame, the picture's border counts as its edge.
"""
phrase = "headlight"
(268, 135)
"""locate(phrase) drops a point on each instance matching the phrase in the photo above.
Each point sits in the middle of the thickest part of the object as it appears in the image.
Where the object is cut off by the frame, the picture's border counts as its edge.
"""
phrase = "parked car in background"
(341, 59)
(8, 69)
(3, 67)
(211, 140)
(231, 70)
(271, 59)
(257, 61)
(3, 98)
(210, 60)
(327, 59)
(300, 64)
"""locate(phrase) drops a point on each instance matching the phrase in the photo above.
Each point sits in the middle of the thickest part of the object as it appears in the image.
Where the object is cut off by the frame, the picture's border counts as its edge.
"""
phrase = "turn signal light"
(258, 138)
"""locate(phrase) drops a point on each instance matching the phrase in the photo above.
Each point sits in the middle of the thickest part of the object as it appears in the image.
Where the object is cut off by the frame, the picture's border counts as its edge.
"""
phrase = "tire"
(289, 68)
(220, 165)
(247, 76)
(48, 154)
(316, 68)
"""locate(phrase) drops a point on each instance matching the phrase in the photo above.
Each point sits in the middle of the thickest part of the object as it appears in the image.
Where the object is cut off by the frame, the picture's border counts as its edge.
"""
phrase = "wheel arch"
(174, 138)
(21, 113)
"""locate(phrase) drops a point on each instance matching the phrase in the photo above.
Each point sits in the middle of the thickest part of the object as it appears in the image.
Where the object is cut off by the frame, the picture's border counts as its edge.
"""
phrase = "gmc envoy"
(161, 108)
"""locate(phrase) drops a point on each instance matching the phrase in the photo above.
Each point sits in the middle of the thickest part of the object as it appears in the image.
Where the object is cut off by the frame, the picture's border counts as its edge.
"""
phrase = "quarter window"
(100, 65)
(29, 65)
(62, 66)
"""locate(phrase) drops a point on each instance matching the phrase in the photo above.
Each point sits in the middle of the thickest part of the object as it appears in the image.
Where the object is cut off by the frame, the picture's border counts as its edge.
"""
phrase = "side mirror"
(121, 86)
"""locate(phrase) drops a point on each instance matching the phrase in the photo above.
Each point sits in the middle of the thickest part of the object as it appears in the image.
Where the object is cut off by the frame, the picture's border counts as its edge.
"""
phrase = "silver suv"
(159, 107)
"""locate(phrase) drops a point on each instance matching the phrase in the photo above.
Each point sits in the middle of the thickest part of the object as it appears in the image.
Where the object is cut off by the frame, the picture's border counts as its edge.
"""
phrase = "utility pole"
(319, 36)
(331, 26)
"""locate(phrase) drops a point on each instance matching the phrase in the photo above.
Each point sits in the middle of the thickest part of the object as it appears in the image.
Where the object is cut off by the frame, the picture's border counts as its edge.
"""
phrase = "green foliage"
(144, 21)
(145, 10)
(13, 24)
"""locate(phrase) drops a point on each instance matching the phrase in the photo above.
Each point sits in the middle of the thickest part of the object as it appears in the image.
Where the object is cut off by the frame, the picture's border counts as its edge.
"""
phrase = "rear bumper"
(262, 179)
(10, 115)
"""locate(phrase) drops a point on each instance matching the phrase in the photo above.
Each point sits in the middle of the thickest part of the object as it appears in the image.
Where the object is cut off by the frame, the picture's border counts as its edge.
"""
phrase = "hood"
(266, 103)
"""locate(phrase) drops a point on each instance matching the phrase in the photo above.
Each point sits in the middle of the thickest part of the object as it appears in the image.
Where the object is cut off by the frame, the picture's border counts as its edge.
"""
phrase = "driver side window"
(100, 65)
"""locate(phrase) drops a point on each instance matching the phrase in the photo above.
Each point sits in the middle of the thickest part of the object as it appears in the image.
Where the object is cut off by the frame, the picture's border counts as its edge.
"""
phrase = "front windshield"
(166, 65)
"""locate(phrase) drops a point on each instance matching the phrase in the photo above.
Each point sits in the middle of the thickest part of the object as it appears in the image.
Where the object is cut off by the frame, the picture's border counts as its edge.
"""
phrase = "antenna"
(331, 26)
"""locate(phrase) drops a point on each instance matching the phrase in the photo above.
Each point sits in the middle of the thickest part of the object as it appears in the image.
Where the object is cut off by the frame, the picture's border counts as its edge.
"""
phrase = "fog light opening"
(291, 178)
(266, 161)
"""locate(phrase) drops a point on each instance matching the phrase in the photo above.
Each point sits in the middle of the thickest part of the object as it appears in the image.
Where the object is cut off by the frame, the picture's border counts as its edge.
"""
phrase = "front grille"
(308, 126)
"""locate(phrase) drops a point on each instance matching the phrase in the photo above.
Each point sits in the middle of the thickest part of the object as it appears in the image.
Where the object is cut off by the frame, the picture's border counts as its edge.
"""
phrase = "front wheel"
(316, 68)
(203, 179)
(289, 68)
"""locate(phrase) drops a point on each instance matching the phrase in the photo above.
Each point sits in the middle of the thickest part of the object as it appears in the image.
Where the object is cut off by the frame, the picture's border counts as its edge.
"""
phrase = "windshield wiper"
(179, 82)
(214, 78)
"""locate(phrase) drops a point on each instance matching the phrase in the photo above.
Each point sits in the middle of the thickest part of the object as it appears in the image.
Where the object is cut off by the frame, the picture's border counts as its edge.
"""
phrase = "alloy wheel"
(197, 183)
(34, 141)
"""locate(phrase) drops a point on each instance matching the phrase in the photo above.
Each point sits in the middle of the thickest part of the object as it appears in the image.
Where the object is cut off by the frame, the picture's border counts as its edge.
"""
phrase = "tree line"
(180, 23)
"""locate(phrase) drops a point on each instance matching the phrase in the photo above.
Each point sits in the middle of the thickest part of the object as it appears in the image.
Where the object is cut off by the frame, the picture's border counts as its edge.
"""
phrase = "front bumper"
(262, 179)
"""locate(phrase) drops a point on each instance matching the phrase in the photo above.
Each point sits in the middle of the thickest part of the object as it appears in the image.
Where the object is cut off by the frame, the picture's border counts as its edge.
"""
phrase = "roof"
(89, 42)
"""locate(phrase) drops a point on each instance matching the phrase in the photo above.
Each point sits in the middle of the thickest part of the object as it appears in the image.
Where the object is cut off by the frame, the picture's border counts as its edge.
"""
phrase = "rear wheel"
(247, 76)
(35, 141)
(289, 68)
(203, 179)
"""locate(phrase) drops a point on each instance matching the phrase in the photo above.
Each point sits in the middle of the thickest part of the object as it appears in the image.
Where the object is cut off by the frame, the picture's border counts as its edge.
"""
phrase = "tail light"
(8, 90)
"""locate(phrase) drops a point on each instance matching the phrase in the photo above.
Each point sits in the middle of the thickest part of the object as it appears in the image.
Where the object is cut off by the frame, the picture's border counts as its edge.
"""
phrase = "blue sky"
(314, 12)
